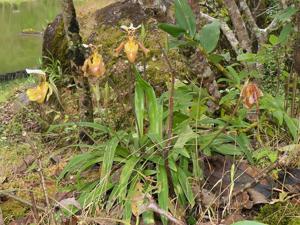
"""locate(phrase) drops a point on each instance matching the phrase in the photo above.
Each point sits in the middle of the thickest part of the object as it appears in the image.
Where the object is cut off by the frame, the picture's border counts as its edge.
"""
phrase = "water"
(19, 51)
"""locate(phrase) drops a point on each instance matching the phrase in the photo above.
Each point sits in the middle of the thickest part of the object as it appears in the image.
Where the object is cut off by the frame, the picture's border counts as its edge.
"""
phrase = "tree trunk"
(76, 55)
(71, 27)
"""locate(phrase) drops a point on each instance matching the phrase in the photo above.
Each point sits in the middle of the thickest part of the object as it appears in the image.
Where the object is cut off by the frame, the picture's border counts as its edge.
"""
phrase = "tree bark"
(71, 27)
(239, 25)
(76, 55)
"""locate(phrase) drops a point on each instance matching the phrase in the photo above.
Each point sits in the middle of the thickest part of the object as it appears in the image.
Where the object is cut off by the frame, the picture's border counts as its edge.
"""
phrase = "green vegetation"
(8, 89)
(162, 121)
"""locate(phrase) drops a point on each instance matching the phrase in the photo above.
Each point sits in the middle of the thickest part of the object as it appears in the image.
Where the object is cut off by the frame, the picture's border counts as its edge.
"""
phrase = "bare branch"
(261, 34)
(239, 25)
(155, 208)
(273, 26)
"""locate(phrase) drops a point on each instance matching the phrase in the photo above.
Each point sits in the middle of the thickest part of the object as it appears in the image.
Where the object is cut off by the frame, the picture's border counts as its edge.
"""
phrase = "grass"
(8, 89)
(14, 1)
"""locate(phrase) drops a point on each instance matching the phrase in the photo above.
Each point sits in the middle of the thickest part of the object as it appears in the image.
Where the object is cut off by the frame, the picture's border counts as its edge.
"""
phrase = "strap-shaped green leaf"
(163, 195)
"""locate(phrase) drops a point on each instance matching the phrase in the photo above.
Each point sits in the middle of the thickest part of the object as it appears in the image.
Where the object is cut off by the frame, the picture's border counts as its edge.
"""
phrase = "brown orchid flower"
(94, 66)
(250, 95)
(131, 46)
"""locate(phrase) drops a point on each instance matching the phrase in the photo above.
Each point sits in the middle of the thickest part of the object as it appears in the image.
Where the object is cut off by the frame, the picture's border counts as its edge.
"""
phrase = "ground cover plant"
(189, 119)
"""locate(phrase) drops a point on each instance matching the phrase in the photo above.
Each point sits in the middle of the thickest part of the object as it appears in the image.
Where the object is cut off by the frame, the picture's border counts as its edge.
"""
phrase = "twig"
(40, 171)
(1, 217)
(154, 207)
(170, 121)
(34, 209)
(261, 34)
(257, 7)
(42, 178)
(239, 24)
(21, 200)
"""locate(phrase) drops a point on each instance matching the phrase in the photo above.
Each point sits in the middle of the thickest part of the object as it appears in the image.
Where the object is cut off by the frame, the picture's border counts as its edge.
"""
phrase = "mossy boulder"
(280, 213)
(55, 43)
(101, 27)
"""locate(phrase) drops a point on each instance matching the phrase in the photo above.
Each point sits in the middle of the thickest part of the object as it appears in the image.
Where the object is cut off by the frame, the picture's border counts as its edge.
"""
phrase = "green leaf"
(120, 190)
(125, 175)
(93, 125)
(197, 170)
(178, 189)
(186, 186)
(291, 126)
(227, 149)
(185, 135)
(139, 108)
(185, 17)
(285, 33)
(143, 33)
(174, 43)
(279, 116)
(155, 110)
(286, 14)
(171, 29)
(163, 195)
(148, 217)
(209, 36)
(273, 39)
(79, 161)
(92, 194)
(127, 213)
(215, 58)
(248, 222)
(108, 159)
(244, 144)
(234, 74)
(247, 57)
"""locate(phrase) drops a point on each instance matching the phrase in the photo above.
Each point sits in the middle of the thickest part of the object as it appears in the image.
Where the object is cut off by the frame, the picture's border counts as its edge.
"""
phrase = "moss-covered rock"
(280, 214)
(101, 27)
(55, 44)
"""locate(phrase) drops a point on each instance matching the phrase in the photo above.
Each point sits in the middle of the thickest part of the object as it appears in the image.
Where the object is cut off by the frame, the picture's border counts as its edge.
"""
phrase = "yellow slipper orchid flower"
(41, 92)
(131, 46)
(94, 66)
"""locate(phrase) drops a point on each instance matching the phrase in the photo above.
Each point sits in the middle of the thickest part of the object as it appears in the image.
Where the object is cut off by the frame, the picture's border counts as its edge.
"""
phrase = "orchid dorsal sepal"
(131, 28)
(35, 71)
(38, 72)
